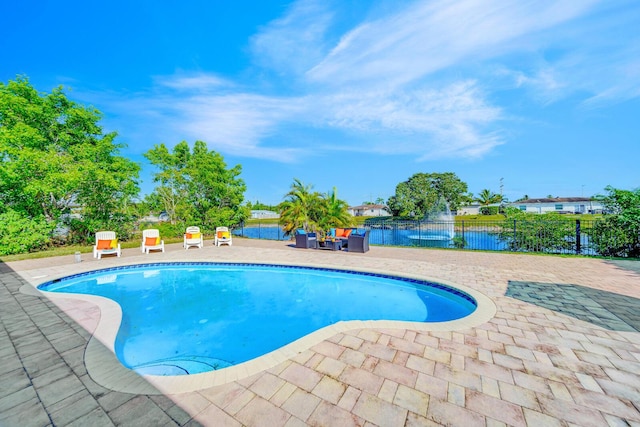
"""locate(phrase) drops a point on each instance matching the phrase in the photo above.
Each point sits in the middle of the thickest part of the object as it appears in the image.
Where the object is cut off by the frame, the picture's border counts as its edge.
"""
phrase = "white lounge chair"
(151, 241)
(223, 237)
(106, 244)
(193, 237)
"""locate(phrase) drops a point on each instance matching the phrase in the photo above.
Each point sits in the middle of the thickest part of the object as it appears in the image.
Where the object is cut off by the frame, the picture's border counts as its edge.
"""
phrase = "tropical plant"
(333, 212)
(297, 210)
(421, 193)
(618, 232)
(487, 197)
(312, 211)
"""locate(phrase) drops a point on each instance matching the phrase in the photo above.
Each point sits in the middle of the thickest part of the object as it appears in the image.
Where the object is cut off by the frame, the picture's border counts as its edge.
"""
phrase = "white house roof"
(361, 207)
(555, 200)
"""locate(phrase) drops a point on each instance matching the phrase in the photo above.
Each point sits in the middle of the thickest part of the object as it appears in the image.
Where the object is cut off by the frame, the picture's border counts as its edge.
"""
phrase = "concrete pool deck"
(562, 348)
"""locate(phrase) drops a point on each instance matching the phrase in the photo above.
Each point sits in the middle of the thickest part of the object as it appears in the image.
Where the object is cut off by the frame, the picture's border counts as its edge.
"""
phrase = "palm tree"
(333, 212)
(298, 210)
(487, 197)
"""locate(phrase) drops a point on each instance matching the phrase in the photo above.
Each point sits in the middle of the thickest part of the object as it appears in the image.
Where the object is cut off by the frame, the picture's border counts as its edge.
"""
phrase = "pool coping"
(106, 370)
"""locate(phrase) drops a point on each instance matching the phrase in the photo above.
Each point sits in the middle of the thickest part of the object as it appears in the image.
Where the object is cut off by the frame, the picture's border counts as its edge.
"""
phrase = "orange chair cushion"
(339, 232)
(347, 232)
(193, 235)
(151, 241)
(104, 244)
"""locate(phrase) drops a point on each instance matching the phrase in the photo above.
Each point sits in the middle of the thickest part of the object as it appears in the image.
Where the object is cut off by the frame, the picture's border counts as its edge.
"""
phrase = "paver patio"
(563, 349)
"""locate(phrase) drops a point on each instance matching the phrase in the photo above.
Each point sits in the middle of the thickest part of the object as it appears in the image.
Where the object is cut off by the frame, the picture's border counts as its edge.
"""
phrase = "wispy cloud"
(199, 82)
(431, 36)
(238, 124)
(416, 81)
(296, 41)
(431, 123)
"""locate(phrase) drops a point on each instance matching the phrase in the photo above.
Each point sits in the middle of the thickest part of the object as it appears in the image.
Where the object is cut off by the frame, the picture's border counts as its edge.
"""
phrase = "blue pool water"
(186, 318)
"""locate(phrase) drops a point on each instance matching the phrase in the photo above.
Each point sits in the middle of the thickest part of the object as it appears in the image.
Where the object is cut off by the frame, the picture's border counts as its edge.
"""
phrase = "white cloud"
(238, 123)
(294, 42)
(430, 36)
(200, 82)
(622, 81)
(415, 81)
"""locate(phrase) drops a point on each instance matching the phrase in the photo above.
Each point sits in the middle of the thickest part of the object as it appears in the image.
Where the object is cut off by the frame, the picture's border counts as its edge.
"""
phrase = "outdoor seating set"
(337, 239)
(107, 242)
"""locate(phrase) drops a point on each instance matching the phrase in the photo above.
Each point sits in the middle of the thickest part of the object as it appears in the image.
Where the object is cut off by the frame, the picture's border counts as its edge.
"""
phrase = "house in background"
(369, 210)
(263, 214)
(572, 205)
(473, 209)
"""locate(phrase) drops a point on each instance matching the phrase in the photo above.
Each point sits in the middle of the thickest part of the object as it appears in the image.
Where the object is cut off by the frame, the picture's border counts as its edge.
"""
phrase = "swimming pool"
(189, 318)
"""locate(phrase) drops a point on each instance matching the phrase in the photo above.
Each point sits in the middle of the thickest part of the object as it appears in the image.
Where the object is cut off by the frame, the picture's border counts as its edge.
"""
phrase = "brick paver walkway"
(563, 349)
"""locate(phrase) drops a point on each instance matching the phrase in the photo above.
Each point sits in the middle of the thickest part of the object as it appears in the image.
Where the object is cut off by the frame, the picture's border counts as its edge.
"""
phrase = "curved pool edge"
(105, 369)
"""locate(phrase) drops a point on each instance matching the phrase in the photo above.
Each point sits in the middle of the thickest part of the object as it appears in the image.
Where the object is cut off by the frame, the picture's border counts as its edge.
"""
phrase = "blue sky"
(353, 94)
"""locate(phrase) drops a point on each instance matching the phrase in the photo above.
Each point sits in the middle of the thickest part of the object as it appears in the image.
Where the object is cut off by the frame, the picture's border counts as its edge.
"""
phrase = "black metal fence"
(539, 235)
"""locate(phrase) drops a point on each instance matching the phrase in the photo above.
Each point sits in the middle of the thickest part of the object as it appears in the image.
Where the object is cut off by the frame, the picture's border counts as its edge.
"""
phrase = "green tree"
(55, 157)
(421, 193)
(197, 187)
(618, 232)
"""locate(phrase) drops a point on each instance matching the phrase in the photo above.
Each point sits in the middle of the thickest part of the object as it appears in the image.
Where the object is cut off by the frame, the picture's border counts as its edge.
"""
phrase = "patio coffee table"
(330, 245)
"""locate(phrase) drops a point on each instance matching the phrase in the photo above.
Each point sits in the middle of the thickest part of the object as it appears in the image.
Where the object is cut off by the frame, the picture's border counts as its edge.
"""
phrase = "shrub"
(82, 231)
(489, 210)
(19, 234)
(459, 242)
(618, 232)
(531, 232)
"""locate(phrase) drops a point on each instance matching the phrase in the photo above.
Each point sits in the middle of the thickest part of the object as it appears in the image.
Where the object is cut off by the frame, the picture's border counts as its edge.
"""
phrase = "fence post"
(515, 236)
(384, 227)
(578, 243)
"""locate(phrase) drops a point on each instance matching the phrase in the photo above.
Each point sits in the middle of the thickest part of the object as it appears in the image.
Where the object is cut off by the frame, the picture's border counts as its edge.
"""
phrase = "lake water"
(475, 240)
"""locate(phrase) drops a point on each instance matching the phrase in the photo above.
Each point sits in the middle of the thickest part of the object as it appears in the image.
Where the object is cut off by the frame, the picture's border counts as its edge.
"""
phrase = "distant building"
(369, 210)
(573, 205)
(262, 214)
(469, 210)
